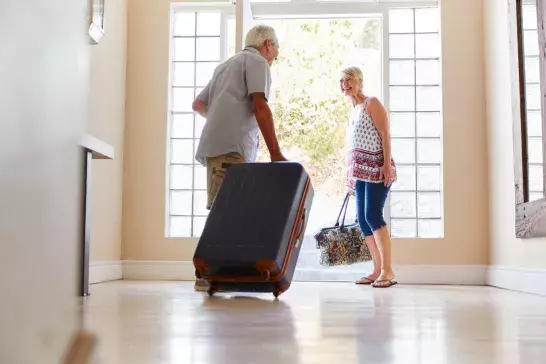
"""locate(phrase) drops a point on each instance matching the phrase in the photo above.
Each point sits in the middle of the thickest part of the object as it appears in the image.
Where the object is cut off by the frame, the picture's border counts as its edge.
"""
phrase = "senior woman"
(369, 176)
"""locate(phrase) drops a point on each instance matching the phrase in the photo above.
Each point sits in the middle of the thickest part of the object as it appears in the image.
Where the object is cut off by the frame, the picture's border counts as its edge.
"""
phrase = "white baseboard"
(409, 274)
(103, 271)
(518, 279)
(158, 270)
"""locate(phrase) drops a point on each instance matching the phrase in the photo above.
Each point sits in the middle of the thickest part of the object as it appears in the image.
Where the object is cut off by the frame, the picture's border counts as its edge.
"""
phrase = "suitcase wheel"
(212, 290)
(277, 292)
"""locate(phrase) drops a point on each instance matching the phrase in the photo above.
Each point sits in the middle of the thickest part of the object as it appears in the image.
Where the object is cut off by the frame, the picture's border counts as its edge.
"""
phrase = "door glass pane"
(180, 227)
(402, 124)
(429, 204)
(402, 98)
(429, 124)
(428, 72)
(532, 69)
(534, 123)
(401, 46)
(401, 21)
(530, 42)
(181, 203)
(428, 178)
(184, 24)
(431, 228)
(403, 150)
(198, 225)
(406, 179)
(536, 178)
(199, 124)
(181, 177)
(533, 96)
(200, 177)
(429, 98)
(403, 204)
(205, 71)
(208, 23)
(529, 15)
(182, 126)
(184, 74)
(429, 151)
(184, 49)
(534, 147)
(200, 203)
(403, 228)
(427, 46)
(182, 151)
(208, 49)
(402, 73)
(427, 20)
(183, 99)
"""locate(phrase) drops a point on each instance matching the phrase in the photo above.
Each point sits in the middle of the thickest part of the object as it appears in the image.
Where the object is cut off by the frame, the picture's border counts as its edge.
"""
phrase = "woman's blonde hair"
(353, 73)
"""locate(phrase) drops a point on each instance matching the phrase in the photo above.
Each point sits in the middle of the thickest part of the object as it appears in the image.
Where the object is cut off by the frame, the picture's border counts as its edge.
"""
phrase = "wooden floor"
(167, 322)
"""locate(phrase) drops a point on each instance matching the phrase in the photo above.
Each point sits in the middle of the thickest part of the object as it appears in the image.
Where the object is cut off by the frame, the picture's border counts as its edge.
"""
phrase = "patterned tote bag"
(342, 244)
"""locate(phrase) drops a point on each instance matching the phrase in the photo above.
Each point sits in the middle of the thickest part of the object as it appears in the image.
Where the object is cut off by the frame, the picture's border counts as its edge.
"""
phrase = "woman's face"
(349, 86)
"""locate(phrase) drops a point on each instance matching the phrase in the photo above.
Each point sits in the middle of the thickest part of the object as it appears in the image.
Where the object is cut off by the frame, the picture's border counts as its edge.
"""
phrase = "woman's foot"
(384, 280)
(369, 279)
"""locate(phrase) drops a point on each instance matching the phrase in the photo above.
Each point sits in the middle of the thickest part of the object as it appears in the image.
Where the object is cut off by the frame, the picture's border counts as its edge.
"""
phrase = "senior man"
(234, 104)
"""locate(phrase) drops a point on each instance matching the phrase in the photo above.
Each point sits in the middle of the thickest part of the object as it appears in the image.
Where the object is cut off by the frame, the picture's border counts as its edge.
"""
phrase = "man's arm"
(199, 106)
(264, 117)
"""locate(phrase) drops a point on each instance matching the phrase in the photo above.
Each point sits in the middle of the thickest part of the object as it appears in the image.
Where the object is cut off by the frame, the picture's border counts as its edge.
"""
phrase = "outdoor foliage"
(310, 113)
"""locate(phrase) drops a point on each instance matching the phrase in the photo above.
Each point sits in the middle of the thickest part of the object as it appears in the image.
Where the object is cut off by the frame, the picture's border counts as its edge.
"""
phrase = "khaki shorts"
(216, 170)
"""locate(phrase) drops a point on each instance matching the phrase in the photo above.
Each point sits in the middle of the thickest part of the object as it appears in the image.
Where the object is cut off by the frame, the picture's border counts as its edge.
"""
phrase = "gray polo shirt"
(231, 125)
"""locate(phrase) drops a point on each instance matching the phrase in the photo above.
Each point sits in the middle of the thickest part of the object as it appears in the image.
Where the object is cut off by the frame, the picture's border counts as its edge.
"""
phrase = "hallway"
(166, 322)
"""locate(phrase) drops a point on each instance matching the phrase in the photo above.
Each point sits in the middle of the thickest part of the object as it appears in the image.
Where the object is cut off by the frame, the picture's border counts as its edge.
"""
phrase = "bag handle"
(343, 210)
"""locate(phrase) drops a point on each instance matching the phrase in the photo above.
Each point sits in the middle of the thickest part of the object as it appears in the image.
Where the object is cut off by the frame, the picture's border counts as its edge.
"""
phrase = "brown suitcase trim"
(266, 266)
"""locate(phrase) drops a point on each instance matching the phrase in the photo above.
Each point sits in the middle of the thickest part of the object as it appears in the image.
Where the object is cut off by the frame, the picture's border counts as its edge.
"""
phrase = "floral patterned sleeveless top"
(365, 156)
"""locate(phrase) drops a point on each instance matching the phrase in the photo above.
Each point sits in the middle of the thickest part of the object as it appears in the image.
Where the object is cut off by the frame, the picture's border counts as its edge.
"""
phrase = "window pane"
(208, 23)
(428, 178)
(532, 69)
(427, 20)
(530, 42)
(401, 46)
(182, 151)
(205, 72)
(403, 150)
(406, 179)
(199, 124)
(536, 178)
(402, 124)
(401, 21)
(431, 228)
(200, 182)
(182, 126)
(533, 96)
(184, 49)
(403, 228)
(184, 24)
(534, 196)
(180, 227)
(427, 45)
(429, 124)
(402, 73)
(183, 99)
(200, 203)
(208, 49)
(181, 177)
(534, 124)
(429, 151)
(428, 72)
(529, 15)
(429, 204)
(402, 204)
(196, 145)
(429, 98)
(534, 148)
(180, 203)
(402, 98)
(198, 225)
(184, 74)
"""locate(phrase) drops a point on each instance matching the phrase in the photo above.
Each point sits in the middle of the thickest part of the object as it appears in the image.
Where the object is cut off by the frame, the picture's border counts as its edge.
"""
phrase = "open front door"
(244, 22)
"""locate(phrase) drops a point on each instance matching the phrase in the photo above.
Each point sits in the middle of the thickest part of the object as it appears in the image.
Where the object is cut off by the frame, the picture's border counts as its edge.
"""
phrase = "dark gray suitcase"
(253, 234)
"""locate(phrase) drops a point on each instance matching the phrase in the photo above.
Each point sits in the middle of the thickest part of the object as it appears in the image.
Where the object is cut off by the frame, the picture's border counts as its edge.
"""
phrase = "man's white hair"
(259, 34)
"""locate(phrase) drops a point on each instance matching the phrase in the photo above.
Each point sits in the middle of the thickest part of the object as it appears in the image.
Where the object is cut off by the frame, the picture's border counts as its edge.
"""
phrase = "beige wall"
(505, 249)
(465, 172)
(107, 122)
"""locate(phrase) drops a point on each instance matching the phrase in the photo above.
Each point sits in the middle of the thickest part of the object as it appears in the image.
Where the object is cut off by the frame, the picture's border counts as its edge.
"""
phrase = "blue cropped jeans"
(370, 201)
